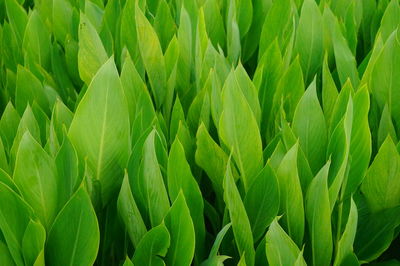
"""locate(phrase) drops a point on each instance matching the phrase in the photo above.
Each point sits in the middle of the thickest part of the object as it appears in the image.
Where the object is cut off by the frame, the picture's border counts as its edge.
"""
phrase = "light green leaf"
(35, 175)
(280, 248)
(289, 90)
(67, 168)
(100, 129)
(151, 183)
(33, 242)
(8, 125)
(130, 214)
(180, 225)
(262, 201)
(329, 91)
(361, 142)
(74, 237)
(291, 197)
(276, 25)
(238, 129)
(154, 244)
(238, 216)
(180, 178)
(384, 77)
(29, 89)
(386, 127)
(91, 54)
(381, 185)
(345, 62)
(309, 43)
(152, 56)
(345, 244)
(318, 215)
(14, 218)
(214, 168)
(309, 125)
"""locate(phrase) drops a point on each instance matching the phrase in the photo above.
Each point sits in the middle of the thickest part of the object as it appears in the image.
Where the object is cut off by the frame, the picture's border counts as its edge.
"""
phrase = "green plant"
(199, 132)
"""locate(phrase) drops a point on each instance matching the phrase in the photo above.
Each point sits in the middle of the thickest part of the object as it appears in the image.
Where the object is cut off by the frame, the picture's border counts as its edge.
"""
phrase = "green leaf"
(8, 125)
(74, 237)
(361, 142)
(290, 90)
(152, 56)
(384, 77)
(345, 244)
(276, 25)
(280, 248)
(164, 24)
(381, 185)
(33, 242)
(91, 55)
(218, 240)
(180, 226)
(345, 62)
(29, 123)
(5, 256)
(151, 182)
(390, 19)
(386, 127)
(154, 244)
(214, 168)
(130, 214)
(180, 178)
(214, 23)
(291, 197)
(262, 201)
(100, 129)
(28, 90)
(381, 225)
(309, 125)
(309, 43)
(329, 91)
(244, 13)
(238, 216)
(36, 43)
(238, 129)
(35, 175)
(67, 168)
(18, 18)
(318, 215)
(62, 19)
(14, 218)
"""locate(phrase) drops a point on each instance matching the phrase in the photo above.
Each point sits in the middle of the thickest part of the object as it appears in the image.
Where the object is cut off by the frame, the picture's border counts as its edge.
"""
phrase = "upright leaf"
(239, 130)
(35, 175)
(309, 125)
(291, 197)
(152, 56)
(381, 185)
(180, 178)
(345, 244)
(14, 218)
(280, 248)
(308, 43)
(74, 237)
(238, 217)
(130, 214)
(318, 215)
(100, 129)
(91, 54)
(180, 226)
(262, 201)
(154, 244)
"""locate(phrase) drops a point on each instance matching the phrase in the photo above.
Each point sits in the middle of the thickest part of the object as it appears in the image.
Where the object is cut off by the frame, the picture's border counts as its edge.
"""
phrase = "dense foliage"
(199, 132)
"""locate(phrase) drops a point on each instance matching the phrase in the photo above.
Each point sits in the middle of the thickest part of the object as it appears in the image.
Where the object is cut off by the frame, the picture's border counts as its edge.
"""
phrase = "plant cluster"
(199, 132)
